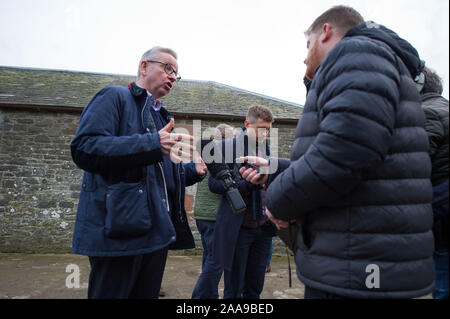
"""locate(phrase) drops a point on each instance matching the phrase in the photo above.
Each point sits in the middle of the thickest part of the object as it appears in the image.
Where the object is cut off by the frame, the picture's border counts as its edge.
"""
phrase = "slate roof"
(73, 90)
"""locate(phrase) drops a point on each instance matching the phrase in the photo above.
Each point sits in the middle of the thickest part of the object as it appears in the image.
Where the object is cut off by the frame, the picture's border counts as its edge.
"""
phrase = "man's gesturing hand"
(174, 144)
(200, 165)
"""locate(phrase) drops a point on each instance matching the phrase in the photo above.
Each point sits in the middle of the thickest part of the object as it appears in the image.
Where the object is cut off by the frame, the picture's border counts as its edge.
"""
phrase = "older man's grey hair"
(153, 53)
(433, 82)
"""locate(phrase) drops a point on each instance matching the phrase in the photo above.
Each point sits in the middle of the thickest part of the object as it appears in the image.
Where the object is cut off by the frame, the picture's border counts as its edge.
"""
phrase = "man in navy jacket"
(358, 180)
(131, 208)
(242, 241)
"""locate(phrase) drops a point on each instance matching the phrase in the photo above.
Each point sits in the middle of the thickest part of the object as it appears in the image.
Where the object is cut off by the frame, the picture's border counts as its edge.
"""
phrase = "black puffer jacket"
(436, 111)
(359, 177)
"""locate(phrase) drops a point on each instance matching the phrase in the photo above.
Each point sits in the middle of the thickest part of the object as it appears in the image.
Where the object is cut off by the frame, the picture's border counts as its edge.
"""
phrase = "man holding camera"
(242, 240)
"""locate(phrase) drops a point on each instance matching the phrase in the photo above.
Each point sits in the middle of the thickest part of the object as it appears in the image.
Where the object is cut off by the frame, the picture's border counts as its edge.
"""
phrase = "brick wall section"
(40, 184)
(1, 120)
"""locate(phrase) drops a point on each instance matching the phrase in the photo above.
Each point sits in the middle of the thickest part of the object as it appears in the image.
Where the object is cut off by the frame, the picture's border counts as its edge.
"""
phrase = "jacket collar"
(141, 93)
(428, 96)
(136, 91)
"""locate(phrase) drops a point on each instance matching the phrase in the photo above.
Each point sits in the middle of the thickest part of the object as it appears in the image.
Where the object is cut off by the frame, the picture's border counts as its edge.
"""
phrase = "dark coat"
(123, 202)
(359, 177)
(228, 224)
(436, 111)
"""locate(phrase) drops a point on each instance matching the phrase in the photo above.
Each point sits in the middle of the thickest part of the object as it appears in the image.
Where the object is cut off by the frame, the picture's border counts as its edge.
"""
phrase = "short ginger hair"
(342, 18)
(256, 112)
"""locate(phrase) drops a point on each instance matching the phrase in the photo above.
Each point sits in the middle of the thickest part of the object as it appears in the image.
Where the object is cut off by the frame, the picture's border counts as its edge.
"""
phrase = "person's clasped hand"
(279, 224)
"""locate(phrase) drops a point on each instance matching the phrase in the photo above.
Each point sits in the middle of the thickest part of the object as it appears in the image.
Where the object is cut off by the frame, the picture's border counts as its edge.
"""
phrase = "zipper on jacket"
(165, 187)
(142, 114)
(180, 212)
(159, 164)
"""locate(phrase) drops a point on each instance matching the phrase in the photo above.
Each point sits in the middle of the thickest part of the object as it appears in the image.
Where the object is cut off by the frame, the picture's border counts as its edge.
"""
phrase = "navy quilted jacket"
(359, 176)
(123, 208)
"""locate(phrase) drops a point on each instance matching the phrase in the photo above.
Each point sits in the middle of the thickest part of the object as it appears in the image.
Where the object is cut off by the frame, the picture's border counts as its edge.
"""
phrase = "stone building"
(39, 114)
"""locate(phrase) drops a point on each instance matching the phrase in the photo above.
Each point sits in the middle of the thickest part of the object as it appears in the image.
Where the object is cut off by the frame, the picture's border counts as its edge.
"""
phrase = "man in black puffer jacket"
(358, 181)
(436, 110)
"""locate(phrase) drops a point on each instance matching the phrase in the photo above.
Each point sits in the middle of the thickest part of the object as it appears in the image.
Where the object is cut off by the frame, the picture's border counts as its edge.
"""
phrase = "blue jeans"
(271, 252)
(440, 231)
(246, 279)
(441, 271)
(207, 286)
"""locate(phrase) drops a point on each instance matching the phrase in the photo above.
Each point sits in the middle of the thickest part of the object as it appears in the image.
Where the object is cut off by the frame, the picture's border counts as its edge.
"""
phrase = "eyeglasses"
(266, 129)
(168, 68)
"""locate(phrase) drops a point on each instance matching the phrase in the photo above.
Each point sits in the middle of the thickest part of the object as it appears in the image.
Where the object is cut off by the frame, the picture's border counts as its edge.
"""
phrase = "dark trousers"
(127, 277)
(312, 293)
(440, 230)
(246, 279)
(207, 286)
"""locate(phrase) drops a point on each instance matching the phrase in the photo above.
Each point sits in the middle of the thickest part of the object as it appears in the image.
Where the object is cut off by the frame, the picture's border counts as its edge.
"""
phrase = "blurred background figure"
(436, 110)
(205, 210)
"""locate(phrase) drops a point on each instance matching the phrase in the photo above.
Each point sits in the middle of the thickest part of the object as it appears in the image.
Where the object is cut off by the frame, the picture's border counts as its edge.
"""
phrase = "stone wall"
(39, 183)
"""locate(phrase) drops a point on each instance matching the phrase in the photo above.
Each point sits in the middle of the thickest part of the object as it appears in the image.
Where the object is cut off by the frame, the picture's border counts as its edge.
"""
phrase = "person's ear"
(246, 123)
(143, 67)
(327, 33)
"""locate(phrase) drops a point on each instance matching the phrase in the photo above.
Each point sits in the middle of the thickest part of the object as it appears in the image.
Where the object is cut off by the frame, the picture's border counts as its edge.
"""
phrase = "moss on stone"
(75, 89)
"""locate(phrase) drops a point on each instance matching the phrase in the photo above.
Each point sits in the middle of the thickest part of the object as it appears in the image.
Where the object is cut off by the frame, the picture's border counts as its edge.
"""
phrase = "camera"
(221, 171)
(246, 165)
